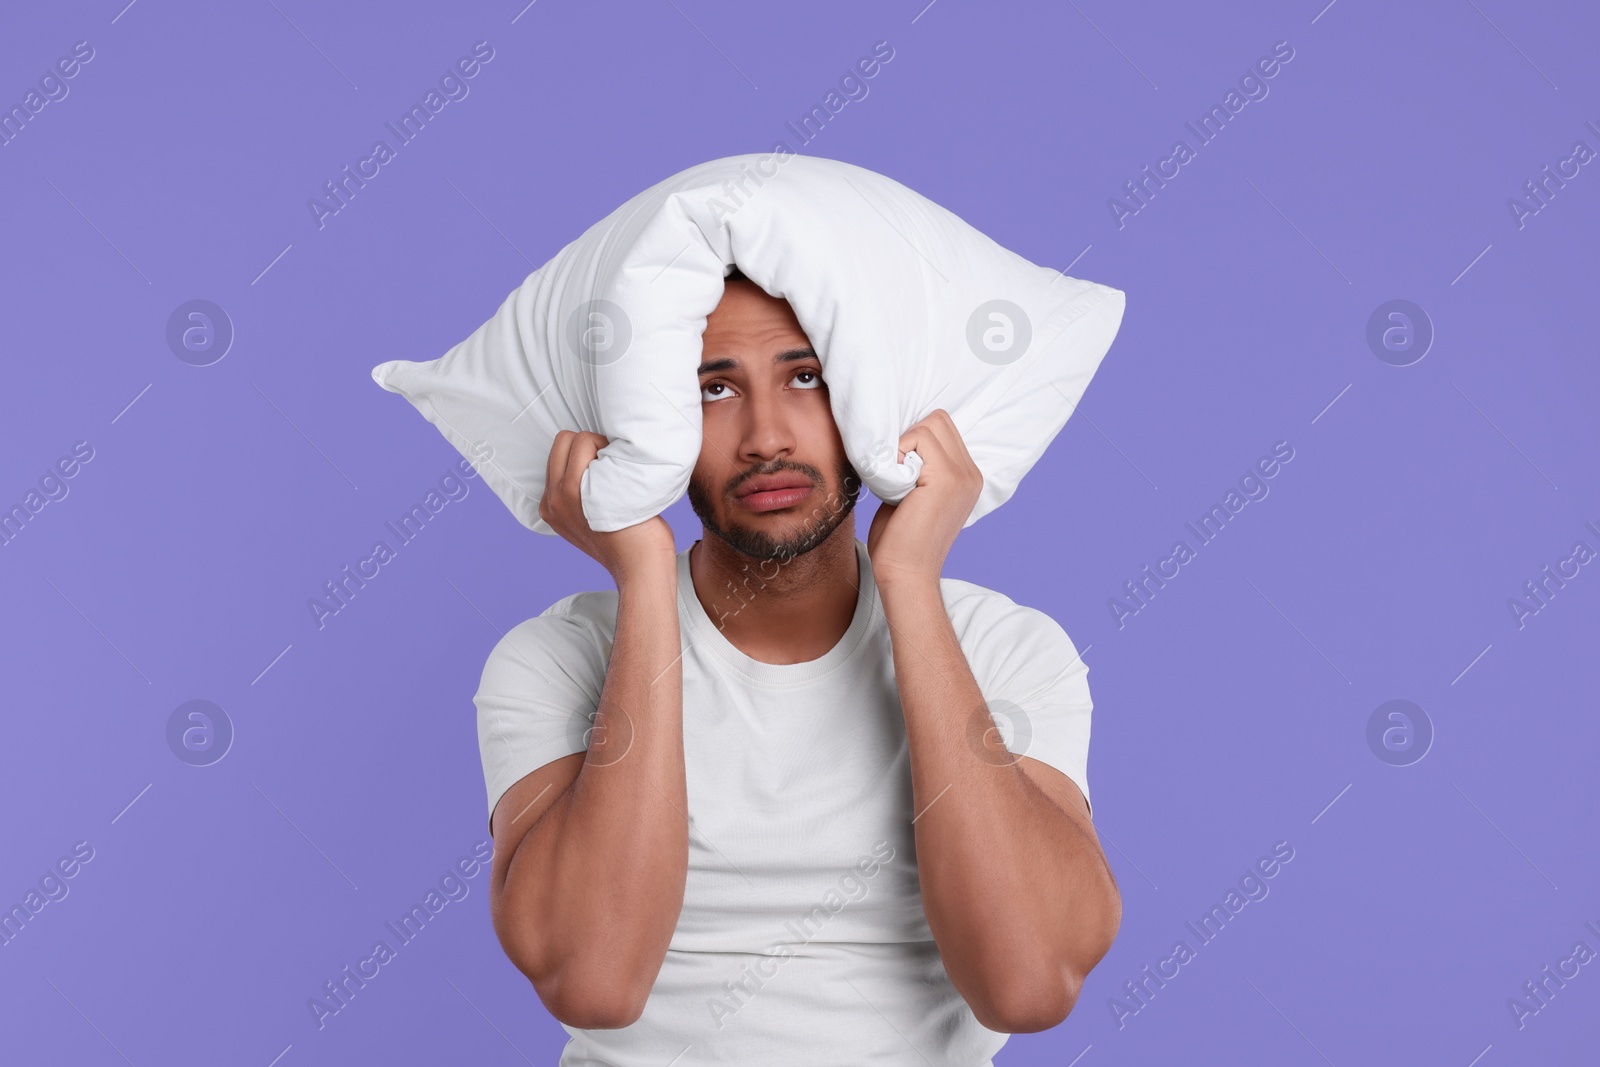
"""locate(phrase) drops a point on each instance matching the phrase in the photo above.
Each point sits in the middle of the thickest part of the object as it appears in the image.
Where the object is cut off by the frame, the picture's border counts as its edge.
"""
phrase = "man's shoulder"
(576, 623)
(972, 605)
(1015, 651)
(594, 605)
(994, 629)
(959, 589)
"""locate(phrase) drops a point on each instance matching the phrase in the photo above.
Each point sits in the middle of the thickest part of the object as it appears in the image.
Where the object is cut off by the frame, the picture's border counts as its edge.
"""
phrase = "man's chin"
(782, 534)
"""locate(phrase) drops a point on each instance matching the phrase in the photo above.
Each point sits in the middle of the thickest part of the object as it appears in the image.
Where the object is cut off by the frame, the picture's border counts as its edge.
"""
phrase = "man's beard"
(821, 523)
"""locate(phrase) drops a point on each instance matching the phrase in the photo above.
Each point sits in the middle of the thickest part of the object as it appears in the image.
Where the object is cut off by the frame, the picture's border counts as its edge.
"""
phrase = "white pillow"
(909, 309)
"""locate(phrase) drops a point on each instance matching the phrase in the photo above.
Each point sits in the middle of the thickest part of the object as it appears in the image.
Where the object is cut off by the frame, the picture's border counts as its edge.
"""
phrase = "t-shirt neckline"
(702, 632)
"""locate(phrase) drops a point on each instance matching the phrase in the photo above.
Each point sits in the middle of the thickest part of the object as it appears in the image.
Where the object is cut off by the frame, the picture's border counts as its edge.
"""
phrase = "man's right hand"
(622, 552)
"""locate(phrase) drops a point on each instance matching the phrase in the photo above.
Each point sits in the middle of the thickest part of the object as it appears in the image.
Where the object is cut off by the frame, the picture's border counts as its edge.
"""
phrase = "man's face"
(772, 479)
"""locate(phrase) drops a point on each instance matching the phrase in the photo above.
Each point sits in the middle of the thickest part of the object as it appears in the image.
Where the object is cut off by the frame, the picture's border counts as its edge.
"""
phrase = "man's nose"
(768, 434)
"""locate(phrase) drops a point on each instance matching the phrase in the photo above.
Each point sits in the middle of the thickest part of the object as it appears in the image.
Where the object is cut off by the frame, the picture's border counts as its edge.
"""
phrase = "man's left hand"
(910, 540)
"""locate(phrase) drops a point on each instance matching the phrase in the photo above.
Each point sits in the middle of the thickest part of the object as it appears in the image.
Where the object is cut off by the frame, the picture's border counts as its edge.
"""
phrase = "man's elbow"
(1027, 996)
(591, 1004)
(1029, 1006)
(582, 990)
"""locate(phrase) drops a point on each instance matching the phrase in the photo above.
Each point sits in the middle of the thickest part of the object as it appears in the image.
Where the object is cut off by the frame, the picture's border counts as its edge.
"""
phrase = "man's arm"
(591, 850)
(1014, 885)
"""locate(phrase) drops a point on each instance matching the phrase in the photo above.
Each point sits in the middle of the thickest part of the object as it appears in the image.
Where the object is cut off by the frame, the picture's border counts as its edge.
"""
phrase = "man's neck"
(779, 611)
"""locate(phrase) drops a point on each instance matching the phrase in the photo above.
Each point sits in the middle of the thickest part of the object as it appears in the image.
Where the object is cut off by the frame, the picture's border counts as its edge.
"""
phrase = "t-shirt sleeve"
(1030, 673)
(538, 695)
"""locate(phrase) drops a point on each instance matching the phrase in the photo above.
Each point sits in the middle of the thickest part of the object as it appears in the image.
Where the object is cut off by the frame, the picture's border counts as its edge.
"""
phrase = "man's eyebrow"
(794, 355)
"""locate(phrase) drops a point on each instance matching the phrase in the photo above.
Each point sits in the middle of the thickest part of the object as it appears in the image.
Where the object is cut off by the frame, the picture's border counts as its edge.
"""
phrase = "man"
(752, 806)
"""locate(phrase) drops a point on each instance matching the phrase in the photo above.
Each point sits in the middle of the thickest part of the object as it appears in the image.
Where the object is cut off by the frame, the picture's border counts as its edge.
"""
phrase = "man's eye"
(707, 394)
(816, 379)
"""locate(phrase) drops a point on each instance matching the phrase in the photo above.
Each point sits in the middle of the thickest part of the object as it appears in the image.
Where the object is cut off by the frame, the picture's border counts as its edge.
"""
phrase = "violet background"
(1230, 713)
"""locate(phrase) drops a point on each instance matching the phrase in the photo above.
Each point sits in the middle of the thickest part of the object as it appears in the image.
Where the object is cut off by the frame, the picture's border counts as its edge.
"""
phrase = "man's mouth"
(772, 492)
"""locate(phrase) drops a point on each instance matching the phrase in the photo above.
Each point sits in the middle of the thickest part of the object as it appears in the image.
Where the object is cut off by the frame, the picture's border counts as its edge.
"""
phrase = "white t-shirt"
(802, 938)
